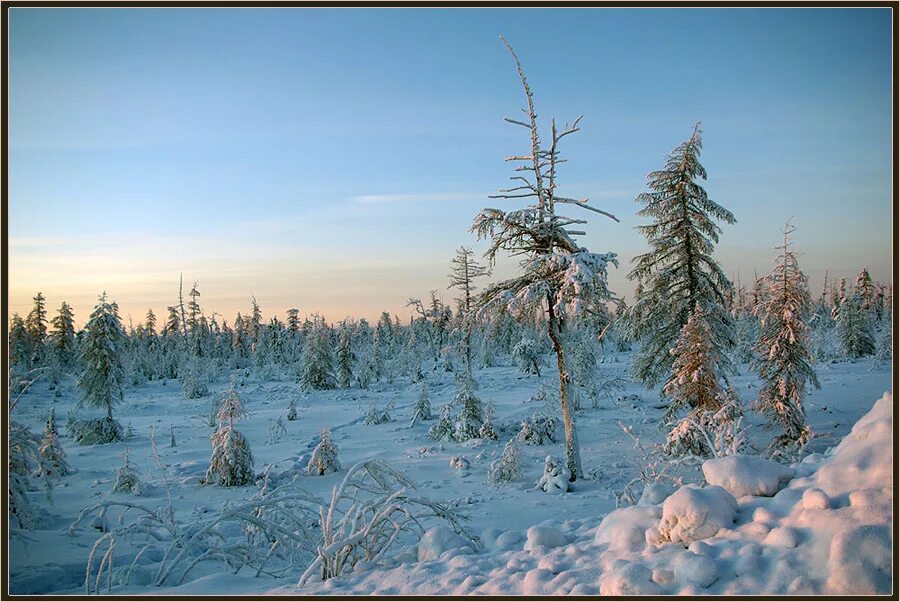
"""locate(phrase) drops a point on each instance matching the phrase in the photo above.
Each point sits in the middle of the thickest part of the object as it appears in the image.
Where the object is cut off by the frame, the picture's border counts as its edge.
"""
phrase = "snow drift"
(826, 531)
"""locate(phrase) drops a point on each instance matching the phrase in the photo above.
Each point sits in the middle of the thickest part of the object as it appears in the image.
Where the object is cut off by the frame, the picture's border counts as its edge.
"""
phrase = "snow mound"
(438, 540)
(695, 569)
(655, 493)
(864, 458)
(860, 561)
(693, 513)
(625, 528)
(629, 579)
(742, 475)
(547, 537)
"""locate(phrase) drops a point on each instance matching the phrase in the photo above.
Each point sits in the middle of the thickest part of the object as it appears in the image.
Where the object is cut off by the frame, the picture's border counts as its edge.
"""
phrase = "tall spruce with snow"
(865, 289)
(344, 355)
(63, 336)
(561, 277)
(101, 382)
(464, 269)
(316, 364)
(19, 344)
(782, 355)
(854, 326)
(36, 326)
(679, 271)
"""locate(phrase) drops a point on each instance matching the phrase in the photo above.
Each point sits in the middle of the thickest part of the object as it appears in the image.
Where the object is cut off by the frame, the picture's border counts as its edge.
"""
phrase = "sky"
(333, 159)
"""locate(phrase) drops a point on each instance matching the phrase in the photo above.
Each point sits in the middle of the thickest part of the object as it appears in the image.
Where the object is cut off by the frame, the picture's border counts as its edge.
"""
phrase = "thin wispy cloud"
(428, 197)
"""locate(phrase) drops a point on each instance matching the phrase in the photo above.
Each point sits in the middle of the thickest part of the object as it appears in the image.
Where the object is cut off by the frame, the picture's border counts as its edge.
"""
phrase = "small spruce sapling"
(526, 356)
(127, 478)
(471, 415)
(422, 409)
(324, 458)
(555, 478)
(231, 463)
(442, 430)
(507, 468)
(53, 458)
(487, 430)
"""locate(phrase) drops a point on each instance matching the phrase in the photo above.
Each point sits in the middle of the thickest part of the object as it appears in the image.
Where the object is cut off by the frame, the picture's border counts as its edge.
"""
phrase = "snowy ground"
(49, 560)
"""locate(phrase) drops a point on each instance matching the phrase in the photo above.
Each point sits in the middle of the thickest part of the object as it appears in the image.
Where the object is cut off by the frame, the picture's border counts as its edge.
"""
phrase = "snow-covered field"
(827, 531)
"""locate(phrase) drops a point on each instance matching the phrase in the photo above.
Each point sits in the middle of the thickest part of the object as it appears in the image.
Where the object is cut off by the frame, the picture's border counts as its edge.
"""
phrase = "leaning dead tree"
(557, 275)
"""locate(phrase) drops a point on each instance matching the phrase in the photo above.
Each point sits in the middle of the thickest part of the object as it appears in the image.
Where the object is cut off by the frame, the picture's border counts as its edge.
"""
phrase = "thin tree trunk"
(573, 453)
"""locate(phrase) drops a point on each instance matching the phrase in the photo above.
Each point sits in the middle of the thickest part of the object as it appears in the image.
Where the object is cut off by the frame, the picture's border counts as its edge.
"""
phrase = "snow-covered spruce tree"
(507, 467)
(464, 269)
(127, 478)
(782, 355)
(526, 355)
(679, 271)
(23, 459)
(292, 409)
(442, 430)
(471, 415)
(53, 458)
(19, 345)
(555, 478)
(36, 327)
(865, 289)
(324, 458)
(194, 381)
(100, 383)
(695, 383)
(487, 430)
(561, 277)
(63, 336)
(854, 328)
(422, 409)
(316, 364)
(231, 463)
(344, 355)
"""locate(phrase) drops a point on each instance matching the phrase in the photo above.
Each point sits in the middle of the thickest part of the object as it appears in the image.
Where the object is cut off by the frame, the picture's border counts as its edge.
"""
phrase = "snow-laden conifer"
(53, 458)
(344, 355)
(464, 269)
(679, 271)
(471, 414)
(525, 353)
(317, 366)
(854, 327)
(324, 458)
(231, 463)
(782, 359)
(422, 407)
(695, 381)
(507, 467)
(62, 338)
(443, 429)
(127, 479)
(101, 382)
(555, 478)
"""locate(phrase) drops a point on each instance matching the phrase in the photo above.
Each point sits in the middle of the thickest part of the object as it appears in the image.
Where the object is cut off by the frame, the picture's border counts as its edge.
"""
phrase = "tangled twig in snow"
(371, 509)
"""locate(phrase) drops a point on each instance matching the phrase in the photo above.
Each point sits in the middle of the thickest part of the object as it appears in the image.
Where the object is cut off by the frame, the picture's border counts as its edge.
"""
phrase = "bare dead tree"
(558, 275)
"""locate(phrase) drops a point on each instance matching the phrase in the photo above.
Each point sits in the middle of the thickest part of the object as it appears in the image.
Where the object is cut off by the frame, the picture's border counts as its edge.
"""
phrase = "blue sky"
(332, 159)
